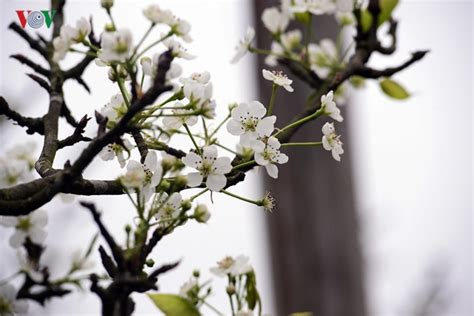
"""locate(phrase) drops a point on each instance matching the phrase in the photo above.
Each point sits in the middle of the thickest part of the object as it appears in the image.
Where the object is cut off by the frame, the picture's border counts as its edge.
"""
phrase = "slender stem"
(215, 310)
(258, 203)
(272, 99)
(220, 125)
(143, 39)
(302, 144)
(192, 198)
(242, 165)
(206, 135)
(123, 89)
(301, 121)
(192, 138)
(111, 18)
(153, 44)
(231, 304)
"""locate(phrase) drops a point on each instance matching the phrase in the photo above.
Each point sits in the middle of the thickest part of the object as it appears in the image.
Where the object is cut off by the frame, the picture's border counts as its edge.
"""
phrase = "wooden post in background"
(314, 235)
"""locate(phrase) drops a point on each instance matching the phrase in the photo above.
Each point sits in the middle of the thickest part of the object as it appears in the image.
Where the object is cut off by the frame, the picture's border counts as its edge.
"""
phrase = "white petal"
(282, 158)
(326, 144)
(216, 182)
(272, 170)
(20, 306)
(209, 153)
(192, 160)
(260, 160)
(8, 221)
(267, 74)
(39, 218)
(266, 126)
(257, 109)
(151, 161)
(222, 165)
(17, 239)
(240, 111)
(37, 235)
(235, 127)
(194, 179)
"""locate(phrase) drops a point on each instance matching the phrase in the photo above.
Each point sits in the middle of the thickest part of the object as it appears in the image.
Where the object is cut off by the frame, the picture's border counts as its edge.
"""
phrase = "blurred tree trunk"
(314, 237)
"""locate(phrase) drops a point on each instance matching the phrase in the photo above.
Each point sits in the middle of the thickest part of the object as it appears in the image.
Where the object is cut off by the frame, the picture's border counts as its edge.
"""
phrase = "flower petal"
(194, 179)
(272, 170)
(216, 182)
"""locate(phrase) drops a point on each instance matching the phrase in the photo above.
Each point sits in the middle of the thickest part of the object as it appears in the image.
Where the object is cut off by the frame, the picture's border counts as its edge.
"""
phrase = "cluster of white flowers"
(116, 46)
(331, 141)
(26, 227)
(17, 164)
(68, 36)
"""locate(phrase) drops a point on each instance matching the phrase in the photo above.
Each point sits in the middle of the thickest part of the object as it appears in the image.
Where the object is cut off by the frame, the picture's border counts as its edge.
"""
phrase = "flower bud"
(150, 263)
(196, 273)
(201, 213)
(107, 4)
(230, 289)
(186, 205)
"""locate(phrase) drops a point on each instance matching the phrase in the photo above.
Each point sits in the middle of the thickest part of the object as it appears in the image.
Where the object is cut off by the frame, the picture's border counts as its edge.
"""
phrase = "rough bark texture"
(316, 255)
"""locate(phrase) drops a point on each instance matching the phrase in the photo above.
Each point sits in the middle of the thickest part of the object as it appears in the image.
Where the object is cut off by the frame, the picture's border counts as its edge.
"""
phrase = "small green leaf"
(174, 305)
(302, 314)
(252, 292)
(393, 89)
(386, 8)
(365, 20)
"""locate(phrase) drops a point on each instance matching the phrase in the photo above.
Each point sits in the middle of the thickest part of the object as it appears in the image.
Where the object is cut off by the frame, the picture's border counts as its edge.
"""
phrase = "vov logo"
(35, 19)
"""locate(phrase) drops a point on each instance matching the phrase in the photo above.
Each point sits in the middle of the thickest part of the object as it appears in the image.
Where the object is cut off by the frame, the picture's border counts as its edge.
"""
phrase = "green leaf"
(252, 292)
(365, 20)
(174, 305)
(302, 314)
(386, 8)
(393, 89)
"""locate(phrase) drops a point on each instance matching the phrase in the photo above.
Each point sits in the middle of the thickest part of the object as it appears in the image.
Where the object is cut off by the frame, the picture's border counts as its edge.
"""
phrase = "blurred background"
(388, 231)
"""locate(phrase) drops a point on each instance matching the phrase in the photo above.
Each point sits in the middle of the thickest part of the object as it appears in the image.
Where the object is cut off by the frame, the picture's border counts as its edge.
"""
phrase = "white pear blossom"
(244, 45)
(330, 107)
(270, 156)
(331, 141)
(275, 20)
(201, 213)
(344, 6)
(175, 122)
(157, 15)
(23, 152)
(234, 266)
(316, 7)
(248, 122)
(168, 207)
(13, 171)
(197, 88)
(209, 166)
(61, 47)
(291, 39)
(30, 226)
(115, 109)
(182, 29)
(9, 305)
(177, 49)
(323, 58)
(143, 177)
(278, 78)
(116, 46)
(80, 32)
(111, 151)
(187, 286)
